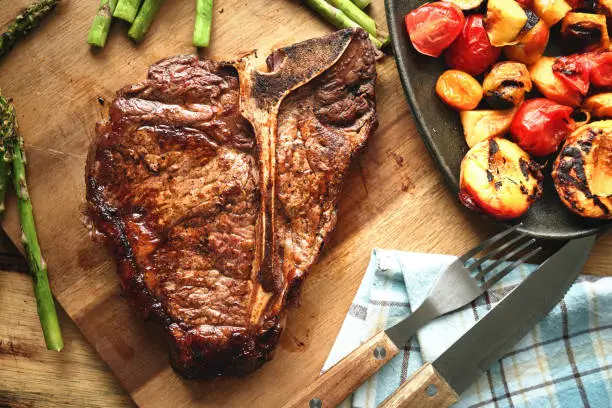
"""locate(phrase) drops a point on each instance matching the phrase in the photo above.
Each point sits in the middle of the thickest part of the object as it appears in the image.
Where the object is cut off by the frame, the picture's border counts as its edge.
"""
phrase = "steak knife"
(439, 384)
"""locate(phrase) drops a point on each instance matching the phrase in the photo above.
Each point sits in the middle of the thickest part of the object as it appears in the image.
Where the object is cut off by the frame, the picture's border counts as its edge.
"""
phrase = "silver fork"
(457, 286)
(460, 284)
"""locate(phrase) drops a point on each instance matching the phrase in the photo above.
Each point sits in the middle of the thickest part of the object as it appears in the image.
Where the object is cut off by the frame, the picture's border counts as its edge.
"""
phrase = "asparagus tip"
(25, 22)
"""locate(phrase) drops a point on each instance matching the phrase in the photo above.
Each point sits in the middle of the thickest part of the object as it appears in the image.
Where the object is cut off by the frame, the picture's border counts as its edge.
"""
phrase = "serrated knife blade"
(439, 383)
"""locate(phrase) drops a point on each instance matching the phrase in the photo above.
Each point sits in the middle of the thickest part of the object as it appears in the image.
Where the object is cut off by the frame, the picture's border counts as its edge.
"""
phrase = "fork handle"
(425, 389)
(337, 383)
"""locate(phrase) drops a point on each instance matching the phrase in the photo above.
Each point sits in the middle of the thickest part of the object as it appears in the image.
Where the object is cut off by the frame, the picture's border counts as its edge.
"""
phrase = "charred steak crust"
(174, 189)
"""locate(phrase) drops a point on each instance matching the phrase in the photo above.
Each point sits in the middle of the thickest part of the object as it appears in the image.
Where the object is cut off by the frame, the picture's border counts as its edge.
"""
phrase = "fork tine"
(509, 268)
(487, 243)
(509, 255)
(496, 251)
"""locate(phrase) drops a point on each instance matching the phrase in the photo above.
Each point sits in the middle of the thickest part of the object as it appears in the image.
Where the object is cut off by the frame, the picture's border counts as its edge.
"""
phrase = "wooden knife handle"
(337, 383)
(425, 389)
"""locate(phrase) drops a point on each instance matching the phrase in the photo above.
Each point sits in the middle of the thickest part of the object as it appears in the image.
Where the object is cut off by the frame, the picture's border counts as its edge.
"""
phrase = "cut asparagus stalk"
(337, 17)
(356, 14)
(101, 24)
(201, 30)
(127, 10)
(36, 263)
(24, 23)
(362, 3)
(143, 20)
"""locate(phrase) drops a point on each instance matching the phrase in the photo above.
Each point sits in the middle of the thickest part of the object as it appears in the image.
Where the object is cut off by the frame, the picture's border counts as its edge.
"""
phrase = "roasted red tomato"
(540, 125)
(600, 68)
(434, 26)
(574, 71)
(472, 52)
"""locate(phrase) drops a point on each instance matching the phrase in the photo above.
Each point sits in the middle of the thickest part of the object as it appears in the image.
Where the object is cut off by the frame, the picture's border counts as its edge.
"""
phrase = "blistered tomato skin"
(434, 26)
(472, 52)
(459, 90)
(600, 69)
(550, 85)
(573, 70)
(541, 125)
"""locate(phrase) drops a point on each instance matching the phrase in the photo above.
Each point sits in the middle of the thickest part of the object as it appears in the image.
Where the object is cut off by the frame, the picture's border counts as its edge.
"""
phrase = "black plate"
(441, 130)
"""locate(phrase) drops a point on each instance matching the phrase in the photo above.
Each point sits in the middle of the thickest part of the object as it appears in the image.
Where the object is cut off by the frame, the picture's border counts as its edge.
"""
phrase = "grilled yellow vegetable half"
(506, 84)
(504, 21)
(551, 11)
(583, 171)
(599, 105)
(500, 179)
(531, 44)
(584, 32)
(481, 125)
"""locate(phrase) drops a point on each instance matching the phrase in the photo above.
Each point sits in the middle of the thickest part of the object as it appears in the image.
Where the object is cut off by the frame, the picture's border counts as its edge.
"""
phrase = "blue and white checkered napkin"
(565, 361)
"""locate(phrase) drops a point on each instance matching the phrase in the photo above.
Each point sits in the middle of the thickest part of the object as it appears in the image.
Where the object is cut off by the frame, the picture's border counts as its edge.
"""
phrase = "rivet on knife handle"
(337, 383)
(425, 389)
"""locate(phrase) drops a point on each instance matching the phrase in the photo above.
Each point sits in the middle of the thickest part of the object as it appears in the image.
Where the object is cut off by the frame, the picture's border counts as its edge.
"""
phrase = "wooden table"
(395, 197)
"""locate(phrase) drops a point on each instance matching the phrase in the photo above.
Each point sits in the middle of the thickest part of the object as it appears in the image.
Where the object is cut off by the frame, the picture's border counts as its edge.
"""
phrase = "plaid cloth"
(565, 361)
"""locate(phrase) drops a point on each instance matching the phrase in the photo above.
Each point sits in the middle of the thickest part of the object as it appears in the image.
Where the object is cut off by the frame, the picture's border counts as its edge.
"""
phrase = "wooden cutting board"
(394, 197)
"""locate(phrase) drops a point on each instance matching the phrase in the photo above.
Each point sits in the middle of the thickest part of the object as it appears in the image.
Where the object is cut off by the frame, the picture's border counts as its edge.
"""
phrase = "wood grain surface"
(32, 376)
(424, 389)
(394, 198)
(344, 377)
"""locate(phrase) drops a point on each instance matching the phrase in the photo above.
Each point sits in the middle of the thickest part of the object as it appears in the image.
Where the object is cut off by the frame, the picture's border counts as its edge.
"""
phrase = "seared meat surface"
(176, 188)
(320, 126)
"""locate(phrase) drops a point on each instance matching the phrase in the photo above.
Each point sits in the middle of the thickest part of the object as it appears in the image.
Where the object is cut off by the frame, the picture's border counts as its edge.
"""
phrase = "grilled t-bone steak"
(216, 185)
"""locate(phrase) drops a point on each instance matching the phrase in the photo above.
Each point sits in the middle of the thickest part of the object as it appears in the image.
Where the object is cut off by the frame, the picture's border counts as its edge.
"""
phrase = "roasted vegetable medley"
(522, 111)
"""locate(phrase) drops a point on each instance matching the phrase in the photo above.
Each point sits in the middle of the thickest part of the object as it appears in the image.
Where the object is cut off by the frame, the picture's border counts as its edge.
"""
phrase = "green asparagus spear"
(38, 267)
(101, 24)
(127, 10)
(201, 31)
(337, 17)
(24, 23)
(5, 170)
(362, 3)
(6, 129)
(356, 14)
(145, 16)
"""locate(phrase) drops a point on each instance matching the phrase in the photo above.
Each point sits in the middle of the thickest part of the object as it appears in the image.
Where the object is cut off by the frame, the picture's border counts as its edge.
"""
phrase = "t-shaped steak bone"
(215, 185)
